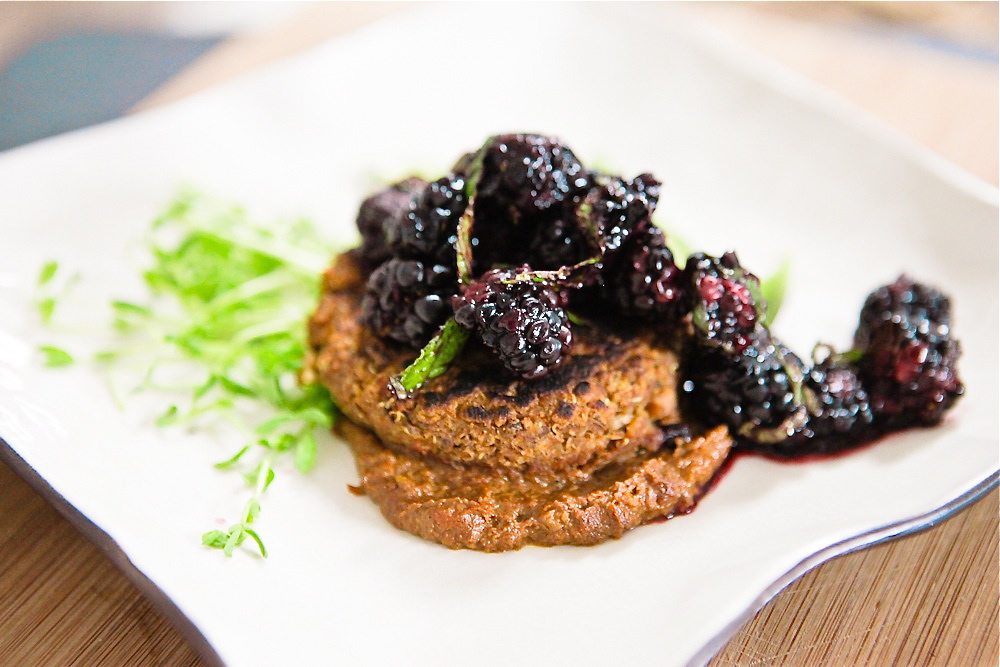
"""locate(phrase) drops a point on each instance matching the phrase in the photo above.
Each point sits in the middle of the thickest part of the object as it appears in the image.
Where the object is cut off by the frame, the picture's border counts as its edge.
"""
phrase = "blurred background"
(65, 65)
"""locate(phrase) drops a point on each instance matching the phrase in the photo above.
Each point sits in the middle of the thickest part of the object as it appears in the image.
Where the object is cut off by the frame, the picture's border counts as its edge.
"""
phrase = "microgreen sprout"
(51, 286)
(55, 357)
(225, 322)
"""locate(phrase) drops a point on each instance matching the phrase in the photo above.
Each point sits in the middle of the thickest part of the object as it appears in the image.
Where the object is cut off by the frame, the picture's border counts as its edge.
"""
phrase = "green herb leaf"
(229, 296)
(256, 538)
(236, 537)
(678, 247)
(305, 452)
(274, 423)
(432, 361)
(232, 460)
(48, 271)
(46, 306)
(315, 416)
(55, 357)
(773, 291)
(168, 417)
(463, 243)
(260, 478)
(206, 386)
(253, 509)
(234, 387)
(106, 356)
(215, 538)
(128, 308)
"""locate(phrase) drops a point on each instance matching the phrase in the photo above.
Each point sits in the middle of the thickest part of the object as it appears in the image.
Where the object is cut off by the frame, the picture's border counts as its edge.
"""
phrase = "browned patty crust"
(608, 399)
(481, 461)
(491, 509)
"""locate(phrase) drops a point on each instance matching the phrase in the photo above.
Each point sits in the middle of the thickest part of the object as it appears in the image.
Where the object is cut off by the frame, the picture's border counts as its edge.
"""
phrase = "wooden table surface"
(926, 599)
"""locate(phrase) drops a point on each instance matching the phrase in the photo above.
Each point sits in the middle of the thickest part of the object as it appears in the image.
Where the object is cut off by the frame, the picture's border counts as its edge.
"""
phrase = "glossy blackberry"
(556, 241)
(908, 357)
(522, 322)
(406, 300)
(642, 281)
(756, 391)
(530, 173)
(837, 402)
(426, 229)
(622, 207)
(728, 309)
(374, 211)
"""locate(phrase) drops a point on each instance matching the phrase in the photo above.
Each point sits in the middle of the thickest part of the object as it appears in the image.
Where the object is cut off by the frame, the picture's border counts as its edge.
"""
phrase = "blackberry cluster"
(902, 371)
(521, 320)
(737, 373)
(408, 235)
(908, 358)
(406, 300)
(755, 391)
(588, 239)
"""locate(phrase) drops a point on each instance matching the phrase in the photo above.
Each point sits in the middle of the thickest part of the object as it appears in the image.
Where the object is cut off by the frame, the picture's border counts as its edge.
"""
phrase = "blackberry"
(756, 391)
(908, 358)
(838, 403)
(497, 237)
(374, 211)
(617, 208)
(426, 229)
(557, 241)
(728, 309)
(530, 173)
(522, 322)
(406, 300)
(641, 280)
(622, 207)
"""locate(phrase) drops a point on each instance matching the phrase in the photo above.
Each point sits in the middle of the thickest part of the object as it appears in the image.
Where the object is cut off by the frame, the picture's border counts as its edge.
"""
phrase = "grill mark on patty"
(619, 382)
(521, 394)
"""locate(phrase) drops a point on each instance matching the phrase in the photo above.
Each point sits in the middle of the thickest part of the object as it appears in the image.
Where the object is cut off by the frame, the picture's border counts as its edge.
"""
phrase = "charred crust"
(477, 412)
(612, 389)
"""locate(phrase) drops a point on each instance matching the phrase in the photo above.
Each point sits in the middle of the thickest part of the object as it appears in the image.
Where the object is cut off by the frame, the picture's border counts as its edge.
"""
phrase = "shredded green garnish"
(55, 357)
(225, 321)
(47, 273)
(52, 285)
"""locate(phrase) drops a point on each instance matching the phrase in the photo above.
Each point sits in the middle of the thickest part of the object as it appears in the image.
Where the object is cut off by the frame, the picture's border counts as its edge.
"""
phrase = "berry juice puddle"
(526, 362)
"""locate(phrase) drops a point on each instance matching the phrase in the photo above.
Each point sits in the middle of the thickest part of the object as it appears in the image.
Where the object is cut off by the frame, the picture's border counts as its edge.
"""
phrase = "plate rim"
(879, 535)
(847, 113)
(200, 643)
(114, 552)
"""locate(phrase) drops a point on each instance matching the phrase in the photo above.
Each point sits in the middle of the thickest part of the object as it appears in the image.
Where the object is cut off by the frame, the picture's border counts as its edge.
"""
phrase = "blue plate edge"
(869, 538)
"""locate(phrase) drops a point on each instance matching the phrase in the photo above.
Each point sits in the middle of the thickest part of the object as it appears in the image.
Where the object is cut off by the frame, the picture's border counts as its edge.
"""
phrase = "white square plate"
(751, 157)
